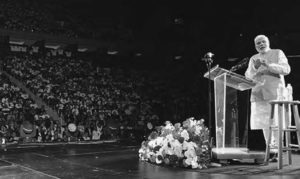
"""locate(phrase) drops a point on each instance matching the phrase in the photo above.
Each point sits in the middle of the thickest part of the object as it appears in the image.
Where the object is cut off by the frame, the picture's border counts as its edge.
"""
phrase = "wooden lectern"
(231, 126)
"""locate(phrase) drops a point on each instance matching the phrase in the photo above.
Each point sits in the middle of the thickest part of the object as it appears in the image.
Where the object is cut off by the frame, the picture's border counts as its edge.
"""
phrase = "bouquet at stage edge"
(185, 145)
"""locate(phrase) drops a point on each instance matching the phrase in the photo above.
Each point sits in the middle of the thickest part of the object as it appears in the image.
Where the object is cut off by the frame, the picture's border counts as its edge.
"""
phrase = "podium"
(231, 117)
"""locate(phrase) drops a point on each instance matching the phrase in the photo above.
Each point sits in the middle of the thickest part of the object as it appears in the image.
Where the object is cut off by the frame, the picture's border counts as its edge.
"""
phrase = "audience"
(93, 102)
(58, 18)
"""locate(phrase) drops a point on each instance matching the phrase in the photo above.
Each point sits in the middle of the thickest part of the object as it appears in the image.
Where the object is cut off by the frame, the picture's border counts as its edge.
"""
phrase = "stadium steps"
(37, 99)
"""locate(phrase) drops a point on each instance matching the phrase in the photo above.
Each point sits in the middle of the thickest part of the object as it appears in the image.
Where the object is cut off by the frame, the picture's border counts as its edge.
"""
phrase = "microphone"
(208, 57)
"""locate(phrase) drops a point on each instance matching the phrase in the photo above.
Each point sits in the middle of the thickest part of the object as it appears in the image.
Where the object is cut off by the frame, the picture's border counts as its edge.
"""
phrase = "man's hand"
(264, 62)
(260, 62)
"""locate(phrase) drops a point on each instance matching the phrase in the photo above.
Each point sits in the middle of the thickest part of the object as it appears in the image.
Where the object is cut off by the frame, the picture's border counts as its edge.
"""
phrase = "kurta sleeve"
(282, 67)
(251, 71)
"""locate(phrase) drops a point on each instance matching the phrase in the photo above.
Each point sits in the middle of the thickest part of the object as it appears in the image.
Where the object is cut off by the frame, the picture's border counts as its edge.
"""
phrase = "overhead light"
(232, 59)
(138, 54)
(112, 52)
(17, 42)
(293, 56)
(55, 47)
(178, 57)
(178, 21)
(82, 49)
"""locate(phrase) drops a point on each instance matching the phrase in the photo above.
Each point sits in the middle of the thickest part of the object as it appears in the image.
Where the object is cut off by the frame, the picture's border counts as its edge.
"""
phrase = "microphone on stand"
(208, 60)
(208, 57)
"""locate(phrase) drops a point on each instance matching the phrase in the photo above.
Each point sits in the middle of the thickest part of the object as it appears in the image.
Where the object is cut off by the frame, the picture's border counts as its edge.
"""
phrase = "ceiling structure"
(192, 28)
(188, 29)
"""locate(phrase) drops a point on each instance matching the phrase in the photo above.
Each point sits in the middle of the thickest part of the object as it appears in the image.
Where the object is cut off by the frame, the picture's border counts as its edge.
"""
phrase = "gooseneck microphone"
(208, 57)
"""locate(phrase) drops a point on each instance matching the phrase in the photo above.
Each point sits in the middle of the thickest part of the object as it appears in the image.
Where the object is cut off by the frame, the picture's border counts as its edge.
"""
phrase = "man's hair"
(261, 36)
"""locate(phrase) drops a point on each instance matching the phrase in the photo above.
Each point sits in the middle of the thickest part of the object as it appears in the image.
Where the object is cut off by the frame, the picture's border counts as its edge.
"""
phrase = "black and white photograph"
(156, 89)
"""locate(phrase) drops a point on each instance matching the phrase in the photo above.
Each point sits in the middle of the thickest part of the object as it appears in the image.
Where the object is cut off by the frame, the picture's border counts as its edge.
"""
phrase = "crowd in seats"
(31, 16)
(57, 18)
(94, 102)
(106, 103)
(15, 107)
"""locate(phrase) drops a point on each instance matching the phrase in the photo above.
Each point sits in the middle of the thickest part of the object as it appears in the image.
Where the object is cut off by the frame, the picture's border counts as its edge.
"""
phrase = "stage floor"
(115, 160)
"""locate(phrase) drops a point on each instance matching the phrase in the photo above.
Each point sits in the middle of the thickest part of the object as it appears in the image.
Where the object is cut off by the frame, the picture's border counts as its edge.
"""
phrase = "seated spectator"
(97, 131)
(72, 132)
(27, 132)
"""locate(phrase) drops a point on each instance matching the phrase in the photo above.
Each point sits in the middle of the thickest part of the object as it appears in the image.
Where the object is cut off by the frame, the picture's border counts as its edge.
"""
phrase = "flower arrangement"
(185, 145)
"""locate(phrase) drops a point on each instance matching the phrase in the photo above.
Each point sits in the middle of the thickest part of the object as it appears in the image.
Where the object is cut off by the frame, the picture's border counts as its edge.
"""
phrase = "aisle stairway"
(52, 113)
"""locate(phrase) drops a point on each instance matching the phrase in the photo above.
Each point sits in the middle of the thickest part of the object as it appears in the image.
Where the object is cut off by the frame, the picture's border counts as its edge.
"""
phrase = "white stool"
(285, 107)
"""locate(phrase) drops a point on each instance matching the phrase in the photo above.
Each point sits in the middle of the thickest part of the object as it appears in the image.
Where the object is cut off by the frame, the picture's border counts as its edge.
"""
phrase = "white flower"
(169, 126)
(152, 143)
(193, 123)
(169, 151)
(149, 154)
(158, 161)
(171, 146)
(163, 149)
(189, 146)
(169, 137)
(200, 122)
(190, 153)
(159, 152)
(190, 118)
(198, 130)
(159, 141)
(177, 148)
(193, 144)
(142, 153)
(188, 161)
(156, 142)
(185, 145)
(194, 162)
(185, 135)
(141, 150)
